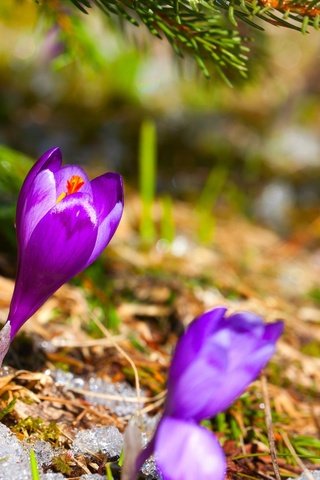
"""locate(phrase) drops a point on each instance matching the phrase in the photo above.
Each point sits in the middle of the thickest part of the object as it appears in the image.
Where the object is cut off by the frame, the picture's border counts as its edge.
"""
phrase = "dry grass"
(147, 296)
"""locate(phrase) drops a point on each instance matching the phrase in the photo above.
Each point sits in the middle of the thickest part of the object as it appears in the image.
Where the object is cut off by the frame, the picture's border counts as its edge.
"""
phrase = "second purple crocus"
(215, 360)
(63, 223)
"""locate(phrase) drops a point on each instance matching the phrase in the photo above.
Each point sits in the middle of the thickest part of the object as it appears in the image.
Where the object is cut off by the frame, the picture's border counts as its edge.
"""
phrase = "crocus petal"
(185, 451)
(228, 360)
(250, 331)
(196, 394)
(40, 199)
(107, 191)
(50, 160)
(192, 340)
(58, 249)
(273, 332)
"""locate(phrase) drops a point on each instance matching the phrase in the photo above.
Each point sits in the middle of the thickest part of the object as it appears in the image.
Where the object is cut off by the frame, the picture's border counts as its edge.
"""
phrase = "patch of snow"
(315, 474)
(52, 476)
(149, 469)
(120, 407)
(14, 460)
(107, 440)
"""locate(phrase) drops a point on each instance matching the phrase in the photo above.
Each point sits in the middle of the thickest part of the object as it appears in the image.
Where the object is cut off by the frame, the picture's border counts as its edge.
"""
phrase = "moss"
(314, 294)
(61, 464)
(38, 429)
(7, 409)
(311, 348)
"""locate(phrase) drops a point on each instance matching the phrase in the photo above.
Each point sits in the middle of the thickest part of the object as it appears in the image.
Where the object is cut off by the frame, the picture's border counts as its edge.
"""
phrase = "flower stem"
(4, 341)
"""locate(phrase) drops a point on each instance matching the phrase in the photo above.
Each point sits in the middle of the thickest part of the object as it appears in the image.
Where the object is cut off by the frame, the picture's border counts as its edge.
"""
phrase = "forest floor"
(70, 368)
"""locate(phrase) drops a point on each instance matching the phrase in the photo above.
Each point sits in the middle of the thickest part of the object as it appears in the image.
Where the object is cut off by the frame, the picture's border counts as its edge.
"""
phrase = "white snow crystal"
(101, 439)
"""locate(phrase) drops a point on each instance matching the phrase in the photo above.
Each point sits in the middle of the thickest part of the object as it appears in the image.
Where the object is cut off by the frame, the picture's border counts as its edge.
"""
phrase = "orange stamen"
(74, 184)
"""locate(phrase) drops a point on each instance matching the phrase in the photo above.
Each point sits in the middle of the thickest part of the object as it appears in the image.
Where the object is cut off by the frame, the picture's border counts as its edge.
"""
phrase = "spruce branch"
(209, 30)
(200, 30)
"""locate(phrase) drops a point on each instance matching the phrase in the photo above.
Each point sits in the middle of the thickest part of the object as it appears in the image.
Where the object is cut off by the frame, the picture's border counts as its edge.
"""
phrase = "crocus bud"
(63, 222)
(52, 45)
(216, 358)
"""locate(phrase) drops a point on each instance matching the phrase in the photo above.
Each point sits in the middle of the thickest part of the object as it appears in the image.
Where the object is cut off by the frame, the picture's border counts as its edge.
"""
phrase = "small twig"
(103, 342)
(147, 409)
(81, 465)
(298, 460)
(263, 475)
(152, 406)
(118, 398)
(76, 403)
(65, 401)
(107, 334)
(315, 419)
(268, 417)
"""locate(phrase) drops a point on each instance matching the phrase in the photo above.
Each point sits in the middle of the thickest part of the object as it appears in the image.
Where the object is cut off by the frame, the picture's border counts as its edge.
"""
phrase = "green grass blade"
(34, 466)
(109, 475)
(147, 167)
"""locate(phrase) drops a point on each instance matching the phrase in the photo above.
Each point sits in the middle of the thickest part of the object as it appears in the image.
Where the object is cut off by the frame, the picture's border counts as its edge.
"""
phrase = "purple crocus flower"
(52, 45)
(63, 222)
(214, 361)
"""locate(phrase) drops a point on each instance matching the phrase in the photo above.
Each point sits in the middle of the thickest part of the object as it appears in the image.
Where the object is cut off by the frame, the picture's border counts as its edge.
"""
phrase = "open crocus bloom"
(63, 222)
(214, 361)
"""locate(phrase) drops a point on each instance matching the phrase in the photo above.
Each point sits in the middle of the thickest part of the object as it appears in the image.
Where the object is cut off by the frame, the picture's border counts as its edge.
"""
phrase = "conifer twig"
(298, 460)
(208, 30)
(108, 335)
(268, 417)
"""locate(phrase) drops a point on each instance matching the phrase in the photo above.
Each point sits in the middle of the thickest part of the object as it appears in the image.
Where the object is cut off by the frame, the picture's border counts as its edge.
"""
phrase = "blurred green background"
(76, 81)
